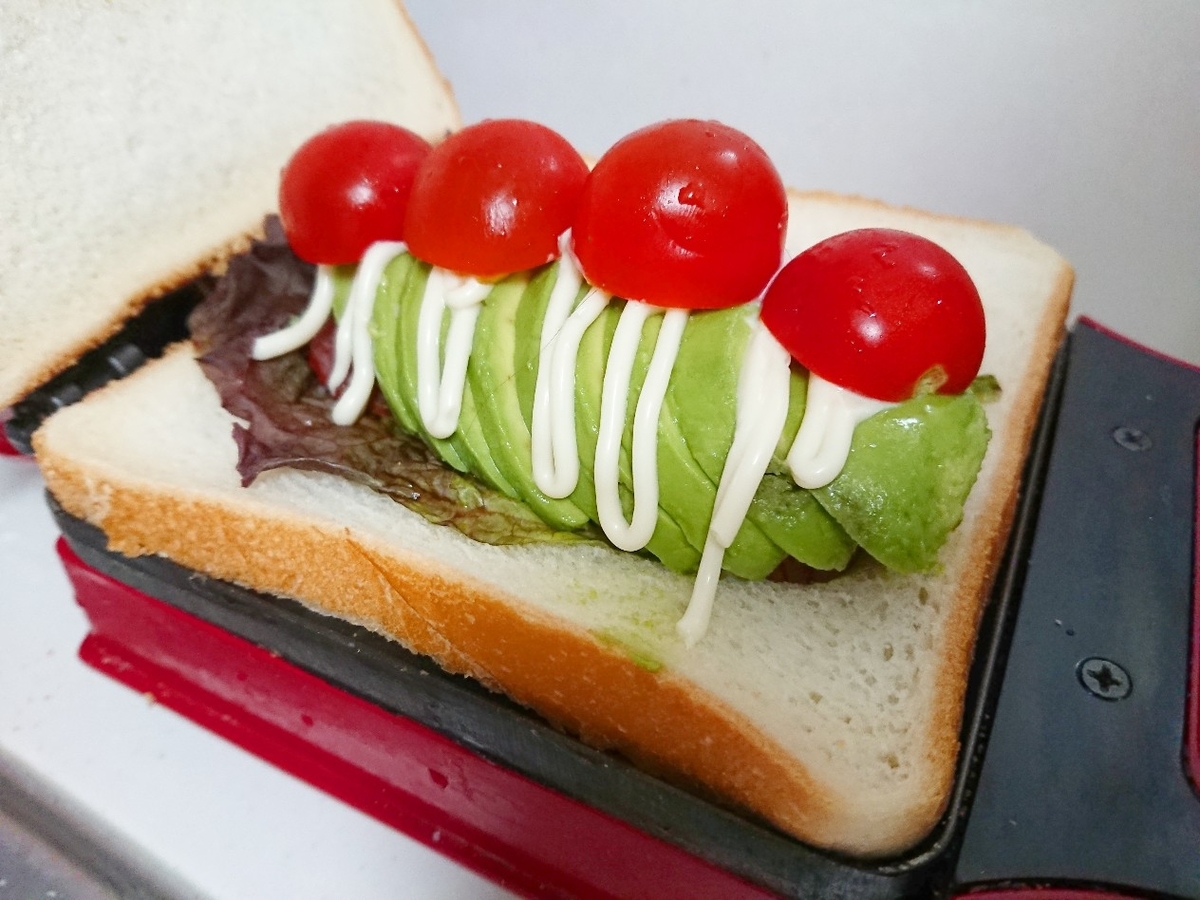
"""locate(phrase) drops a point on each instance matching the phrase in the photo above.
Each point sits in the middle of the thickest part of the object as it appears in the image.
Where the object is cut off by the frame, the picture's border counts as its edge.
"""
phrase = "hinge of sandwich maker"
(161, 323)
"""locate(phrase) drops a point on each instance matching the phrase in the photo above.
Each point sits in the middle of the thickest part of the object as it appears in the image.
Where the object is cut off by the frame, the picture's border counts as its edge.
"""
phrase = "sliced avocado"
(492, 377)
(668, 542)
(382, 327)
(343, 278)
(901, 493)
(703, 401)
(396, 291)
(910, 469)
(589, 374)
(528, 321)
(397, 301)
(467, 442)
(528, 326)
(703, 392)
(686, 494)
(790, 514)
(473, 445)
(385, 339)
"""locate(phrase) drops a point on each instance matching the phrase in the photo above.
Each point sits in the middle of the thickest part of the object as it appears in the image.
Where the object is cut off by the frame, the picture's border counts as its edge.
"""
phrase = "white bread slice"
(831, 710)
(142, 142)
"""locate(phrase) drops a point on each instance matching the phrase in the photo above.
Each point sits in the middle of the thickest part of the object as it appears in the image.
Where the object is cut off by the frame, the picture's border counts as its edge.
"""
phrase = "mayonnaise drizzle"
(762, 406)
(298, 333)
(554, 443)
(636, 533)
(352, 344)
(353, 354)
(822, 444)
(442, 375)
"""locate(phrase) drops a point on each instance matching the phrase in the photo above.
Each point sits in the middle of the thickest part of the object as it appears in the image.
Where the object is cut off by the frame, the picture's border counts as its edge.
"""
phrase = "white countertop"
(1078, 120)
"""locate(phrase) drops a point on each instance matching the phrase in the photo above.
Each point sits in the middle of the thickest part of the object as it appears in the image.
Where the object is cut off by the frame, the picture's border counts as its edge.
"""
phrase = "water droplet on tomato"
(691, 194)
(883, 255)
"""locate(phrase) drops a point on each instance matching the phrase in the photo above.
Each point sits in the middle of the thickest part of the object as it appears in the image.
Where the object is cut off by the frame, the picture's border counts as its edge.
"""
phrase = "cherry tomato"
(684, 213)
(346, 188)
(883, 313)
(493, 198)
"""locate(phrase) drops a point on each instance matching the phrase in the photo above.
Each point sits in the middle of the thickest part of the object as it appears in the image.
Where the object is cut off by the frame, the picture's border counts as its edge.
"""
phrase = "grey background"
(1078, 120)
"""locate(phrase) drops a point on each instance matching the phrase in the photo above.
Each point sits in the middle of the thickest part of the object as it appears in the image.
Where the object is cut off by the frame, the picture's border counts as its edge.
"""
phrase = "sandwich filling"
(901, 492)
(693, 427)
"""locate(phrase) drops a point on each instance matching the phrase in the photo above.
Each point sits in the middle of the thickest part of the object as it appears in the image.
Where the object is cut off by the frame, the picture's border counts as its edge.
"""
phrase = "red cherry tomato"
(685, 214)
(346, 188)
(493, 198)
(883, 313)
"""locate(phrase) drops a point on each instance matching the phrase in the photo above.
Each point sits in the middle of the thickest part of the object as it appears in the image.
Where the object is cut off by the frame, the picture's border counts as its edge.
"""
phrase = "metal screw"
(1131, 438)
(1104, 678)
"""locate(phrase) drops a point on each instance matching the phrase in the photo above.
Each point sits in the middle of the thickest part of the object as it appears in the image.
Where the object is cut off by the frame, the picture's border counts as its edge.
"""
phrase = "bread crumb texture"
(185, 116)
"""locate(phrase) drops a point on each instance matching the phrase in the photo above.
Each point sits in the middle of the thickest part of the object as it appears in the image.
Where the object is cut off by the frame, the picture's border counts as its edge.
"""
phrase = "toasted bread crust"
(580, 684)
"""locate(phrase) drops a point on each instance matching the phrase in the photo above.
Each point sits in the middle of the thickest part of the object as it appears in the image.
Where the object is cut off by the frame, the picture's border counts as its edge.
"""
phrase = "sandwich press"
(1079, 775)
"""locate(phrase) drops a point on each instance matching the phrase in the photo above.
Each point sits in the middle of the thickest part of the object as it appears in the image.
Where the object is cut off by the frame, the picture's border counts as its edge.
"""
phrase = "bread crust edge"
(659, 721)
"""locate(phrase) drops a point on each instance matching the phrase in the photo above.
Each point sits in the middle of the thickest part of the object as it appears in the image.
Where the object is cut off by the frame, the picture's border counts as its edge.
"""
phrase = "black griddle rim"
(999, 617)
